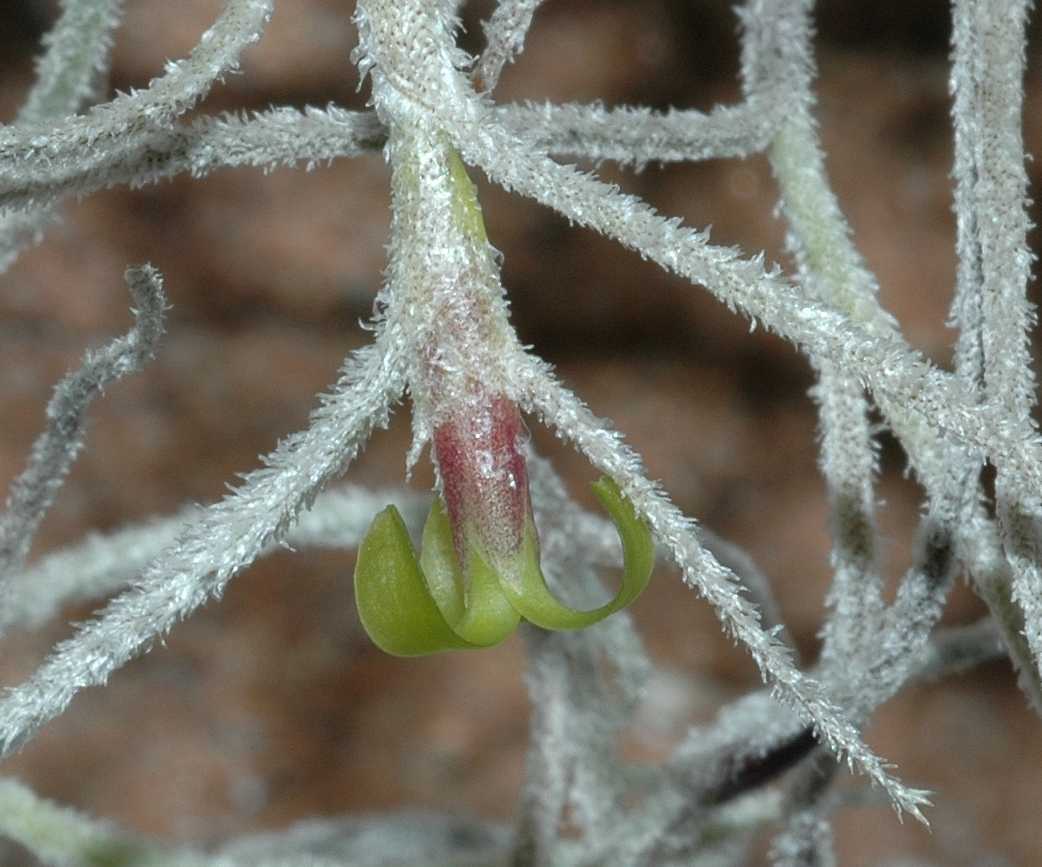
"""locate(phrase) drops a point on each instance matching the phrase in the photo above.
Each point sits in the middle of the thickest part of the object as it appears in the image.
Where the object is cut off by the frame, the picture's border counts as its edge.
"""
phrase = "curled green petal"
(533, 598)
(478, 612)
(414, 608)
(394, 603)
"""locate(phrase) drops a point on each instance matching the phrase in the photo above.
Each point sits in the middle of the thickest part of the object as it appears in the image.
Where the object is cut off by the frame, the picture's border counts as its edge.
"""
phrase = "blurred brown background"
(269, 706)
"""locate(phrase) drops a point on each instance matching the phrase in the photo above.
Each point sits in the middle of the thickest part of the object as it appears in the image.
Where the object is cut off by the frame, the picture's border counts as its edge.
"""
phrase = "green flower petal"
(394, 602)
(412, 608)
(479, 613)
(533, 598)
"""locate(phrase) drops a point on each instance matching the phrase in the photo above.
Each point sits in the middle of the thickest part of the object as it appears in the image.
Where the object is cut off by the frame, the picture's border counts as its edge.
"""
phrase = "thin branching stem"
(44, 149)
(991, 305)
(314, 136)
(220, 542)
(637, 136)
(52, 455)
(505, 32)
(104, 563)
(442, 336)
(69, 74)
(702, 572)
(830, 269)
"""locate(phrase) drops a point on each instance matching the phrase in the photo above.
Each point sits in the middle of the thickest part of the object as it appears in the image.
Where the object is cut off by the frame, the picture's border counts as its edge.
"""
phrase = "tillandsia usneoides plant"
(504, 546)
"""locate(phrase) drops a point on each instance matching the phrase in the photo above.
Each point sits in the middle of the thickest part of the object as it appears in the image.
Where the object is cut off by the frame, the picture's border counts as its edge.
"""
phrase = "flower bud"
(479, 453)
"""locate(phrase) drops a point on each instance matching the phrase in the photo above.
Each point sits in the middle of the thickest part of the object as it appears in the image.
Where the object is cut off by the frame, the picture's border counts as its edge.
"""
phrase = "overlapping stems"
(214, 547)
(991, 307)
(413, 70)
(48, 139)
(229, 535)
(287, 136)
(67, 77)
(948, 423)
(56, 141)
(884, 643)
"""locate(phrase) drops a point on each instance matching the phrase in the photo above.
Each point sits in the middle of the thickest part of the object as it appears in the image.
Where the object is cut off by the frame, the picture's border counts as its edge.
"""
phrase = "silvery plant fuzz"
(505, 547)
